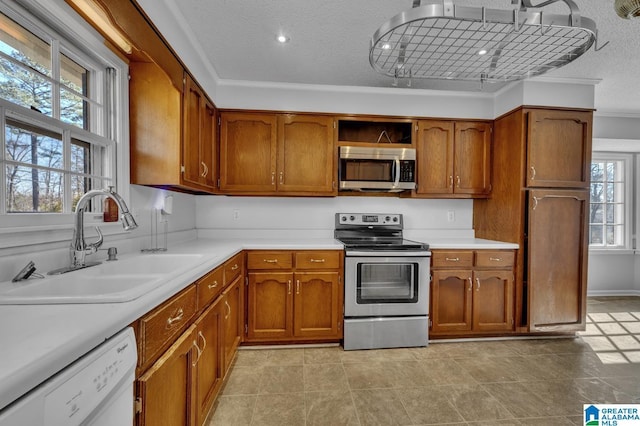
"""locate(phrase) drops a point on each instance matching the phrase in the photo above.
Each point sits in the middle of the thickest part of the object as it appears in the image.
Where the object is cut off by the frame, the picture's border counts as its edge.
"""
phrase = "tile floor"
(514, 382)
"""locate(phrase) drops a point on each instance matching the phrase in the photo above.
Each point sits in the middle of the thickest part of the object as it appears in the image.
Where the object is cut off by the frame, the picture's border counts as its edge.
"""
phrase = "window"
(58, 139)
(609, 194)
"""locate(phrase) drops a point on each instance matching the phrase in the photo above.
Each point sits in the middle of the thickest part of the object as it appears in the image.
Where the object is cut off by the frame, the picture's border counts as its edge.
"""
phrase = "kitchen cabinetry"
(172, 132)
(294, 296)
(186, 346)
(541, 171)
(472, 292)
(454, 159)
(199, 138)
(375, 131)
(262, 153)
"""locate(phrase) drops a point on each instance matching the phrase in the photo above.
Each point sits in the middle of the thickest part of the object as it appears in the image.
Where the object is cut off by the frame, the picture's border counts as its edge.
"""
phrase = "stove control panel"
(369, 219)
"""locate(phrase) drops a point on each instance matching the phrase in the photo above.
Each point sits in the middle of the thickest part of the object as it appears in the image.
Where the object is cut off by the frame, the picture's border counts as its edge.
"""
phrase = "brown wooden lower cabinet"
(209, 368)
(477, 298)
(294, 296)
(183, 381)
(166, 392)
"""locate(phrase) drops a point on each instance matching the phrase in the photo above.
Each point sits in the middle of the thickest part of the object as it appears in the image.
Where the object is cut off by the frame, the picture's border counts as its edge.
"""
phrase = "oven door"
(387, 285)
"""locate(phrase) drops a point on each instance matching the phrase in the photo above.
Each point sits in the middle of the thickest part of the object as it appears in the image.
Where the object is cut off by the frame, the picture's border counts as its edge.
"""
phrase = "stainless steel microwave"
(377, 169)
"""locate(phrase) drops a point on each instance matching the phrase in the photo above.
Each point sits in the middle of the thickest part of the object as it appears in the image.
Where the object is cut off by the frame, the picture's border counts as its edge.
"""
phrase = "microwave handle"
(396, 171)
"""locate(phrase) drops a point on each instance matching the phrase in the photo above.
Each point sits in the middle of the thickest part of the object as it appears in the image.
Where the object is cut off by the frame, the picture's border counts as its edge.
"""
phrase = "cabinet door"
(493, 300)
(305, 154)
(317, 304)
(557, 260)
(209, 368)
(435, 157)
(208, 148)
(233, 321)
(167, 389)
(192, 122)
(270, 300)
(472, 158)
(247, 152)
(451, 293)
(558, 149)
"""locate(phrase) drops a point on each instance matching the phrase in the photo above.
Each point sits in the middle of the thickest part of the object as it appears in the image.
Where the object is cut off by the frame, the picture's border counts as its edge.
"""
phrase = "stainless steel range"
(386, 301)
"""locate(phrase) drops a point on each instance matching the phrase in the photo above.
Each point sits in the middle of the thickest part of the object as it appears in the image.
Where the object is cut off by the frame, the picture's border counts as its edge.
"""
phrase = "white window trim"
(38, 228)
(629, 188)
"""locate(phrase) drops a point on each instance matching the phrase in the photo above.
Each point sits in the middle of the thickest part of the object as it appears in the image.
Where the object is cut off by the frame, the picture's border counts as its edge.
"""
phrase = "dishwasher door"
(95, 390)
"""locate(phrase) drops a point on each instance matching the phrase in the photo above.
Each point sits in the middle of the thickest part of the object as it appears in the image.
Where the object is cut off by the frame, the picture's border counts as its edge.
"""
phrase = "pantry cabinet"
(472, 292)
(542, 159)
(294, 296)
(289, 154)
(453, 159)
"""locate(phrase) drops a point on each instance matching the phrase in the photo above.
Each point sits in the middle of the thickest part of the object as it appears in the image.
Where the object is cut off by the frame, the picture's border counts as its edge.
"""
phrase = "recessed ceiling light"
(482, 52)
(282, 39)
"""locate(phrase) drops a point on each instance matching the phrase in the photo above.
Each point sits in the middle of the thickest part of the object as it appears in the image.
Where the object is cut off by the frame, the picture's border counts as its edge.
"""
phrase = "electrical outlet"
(236, 214)
(451, 216)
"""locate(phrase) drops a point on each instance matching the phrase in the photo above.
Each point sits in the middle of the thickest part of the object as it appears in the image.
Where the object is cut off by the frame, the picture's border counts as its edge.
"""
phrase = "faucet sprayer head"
(128, 222)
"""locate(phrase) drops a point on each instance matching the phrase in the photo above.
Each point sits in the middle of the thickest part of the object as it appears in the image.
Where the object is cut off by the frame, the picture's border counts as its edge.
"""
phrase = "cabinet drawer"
(317, 259)
(210, 286)
(233, 268)
(159, 326)
(494, 259)
(269, 260)
(452, 259)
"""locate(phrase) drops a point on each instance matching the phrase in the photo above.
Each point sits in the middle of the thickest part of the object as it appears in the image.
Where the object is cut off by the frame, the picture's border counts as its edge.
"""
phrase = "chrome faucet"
(79, 247)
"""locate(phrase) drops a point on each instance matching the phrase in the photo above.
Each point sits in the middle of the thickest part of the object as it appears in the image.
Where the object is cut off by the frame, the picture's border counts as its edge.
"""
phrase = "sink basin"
(78, 288)
(110, 282)
(163, 263)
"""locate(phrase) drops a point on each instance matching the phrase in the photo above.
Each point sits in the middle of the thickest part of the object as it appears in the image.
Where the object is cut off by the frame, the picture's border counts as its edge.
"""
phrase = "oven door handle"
(399, 253)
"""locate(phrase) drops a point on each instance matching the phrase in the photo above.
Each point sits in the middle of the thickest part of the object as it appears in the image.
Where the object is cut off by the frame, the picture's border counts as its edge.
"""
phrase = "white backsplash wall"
(50, 249)
(235, 216)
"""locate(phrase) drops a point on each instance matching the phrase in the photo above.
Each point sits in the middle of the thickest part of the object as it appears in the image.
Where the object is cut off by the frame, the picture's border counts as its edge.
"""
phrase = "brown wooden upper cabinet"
(173, 141)
(558, 149)
(199, 138)
(454, 159)
(265, 153)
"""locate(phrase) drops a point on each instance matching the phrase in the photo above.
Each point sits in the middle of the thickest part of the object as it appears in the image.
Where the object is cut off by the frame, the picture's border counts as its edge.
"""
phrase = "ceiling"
(329, 44)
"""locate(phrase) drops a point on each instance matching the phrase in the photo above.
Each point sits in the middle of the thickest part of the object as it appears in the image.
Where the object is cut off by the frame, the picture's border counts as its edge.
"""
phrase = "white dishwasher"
(96, 390)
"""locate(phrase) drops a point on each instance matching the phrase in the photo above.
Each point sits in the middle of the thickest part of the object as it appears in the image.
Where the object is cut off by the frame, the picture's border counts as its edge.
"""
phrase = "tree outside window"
(607, 212)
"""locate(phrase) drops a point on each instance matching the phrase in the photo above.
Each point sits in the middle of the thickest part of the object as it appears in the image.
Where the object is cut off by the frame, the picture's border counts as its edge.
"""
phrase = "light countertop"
(40, 340)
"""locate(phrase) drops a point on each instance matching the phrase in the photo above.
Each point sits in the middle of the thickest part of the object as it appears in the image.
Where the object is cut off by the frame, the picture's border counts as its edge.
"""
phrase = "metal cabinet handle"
(477, 284)
(174, 319)
(194, 363)
(533, 173)
(470, 284)
(451, 181)
(234, 267)
(270, 260)
(458, 181)
(273, 178)
(281, 177)
(204, 341)
(228, 310)
(289, 287)
(495, 259)
(316, 260)
(297, 286)
(212, 286)
(452, 259)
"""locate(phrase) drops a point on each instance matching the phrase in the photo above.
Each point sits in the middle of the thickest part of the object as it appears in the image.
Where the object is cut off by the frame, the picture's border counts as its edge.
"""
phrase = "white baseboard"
(613, 292)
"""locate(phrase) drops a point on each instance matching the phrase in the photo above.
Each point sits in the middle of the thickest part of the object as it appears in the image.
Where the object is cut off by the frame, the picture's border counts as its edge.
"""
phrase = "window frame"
(59, 20)
(627, 160)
